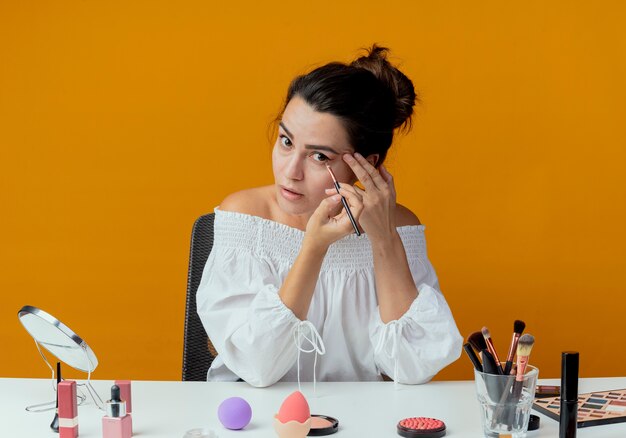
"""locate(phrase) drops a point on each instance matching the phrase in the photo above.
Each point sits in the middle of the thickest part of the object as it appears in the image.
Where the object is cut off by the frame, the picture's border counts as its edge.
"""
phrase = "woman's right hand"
(330, 222)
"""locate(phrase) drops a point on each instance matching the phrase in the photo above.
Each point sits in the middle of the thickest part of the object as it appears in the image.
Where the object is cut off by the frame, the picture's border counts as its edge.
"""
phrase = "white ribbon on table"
(314, 339)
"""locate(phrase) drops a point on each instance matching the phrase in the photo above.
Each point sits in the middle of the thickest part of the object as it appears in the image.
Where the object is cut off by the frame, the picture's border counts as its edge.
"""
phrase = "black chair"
(198, 352)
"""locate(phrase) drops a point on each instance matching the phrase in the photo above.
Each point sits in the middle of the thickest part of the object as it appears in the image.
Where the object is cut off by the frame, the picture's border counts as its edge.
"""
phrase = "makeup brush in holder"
(512, 392)
(491, 348)
(489, 365)
(518, 329)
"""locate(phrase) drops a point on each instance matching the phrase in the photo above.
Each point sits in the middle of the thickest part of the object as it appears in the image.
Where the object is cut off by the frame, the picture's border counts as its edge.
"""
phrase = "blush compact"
(421, 427)
(322, 425)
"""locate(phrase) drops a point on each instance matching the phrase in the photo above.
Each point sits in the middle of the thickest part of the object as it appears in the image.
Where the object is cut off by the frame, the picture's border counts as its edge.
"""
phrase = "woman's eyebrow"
(309, 146)
(321, 148)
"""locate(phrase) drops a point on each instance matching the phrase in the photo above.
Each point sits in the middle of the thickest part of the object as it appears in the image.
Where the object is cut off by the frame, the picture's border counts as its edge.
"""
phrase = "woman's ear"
(373, 159)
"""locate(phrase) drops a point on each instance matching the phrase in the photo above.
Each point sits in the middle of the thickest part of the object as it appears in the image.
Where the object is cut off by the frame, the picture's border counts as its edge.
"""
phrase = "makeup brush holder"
(505, 403)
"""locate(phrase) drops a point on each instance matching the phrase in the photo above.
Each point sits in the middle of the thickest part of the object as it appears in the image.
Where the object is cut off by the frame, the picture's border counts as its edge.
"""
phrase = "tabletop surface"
(364, 409)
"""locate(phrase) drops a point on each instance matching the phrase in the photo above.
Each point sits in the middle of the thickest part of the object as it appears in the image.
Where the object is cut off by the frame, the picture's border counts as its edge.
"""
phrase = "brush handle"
(494, 387)
(511, 354)
(489, 364)
(498, 388)
(472, 356)
(503, 410)
(492, 350)
(518, 384)
(354, 225)
(348, 211)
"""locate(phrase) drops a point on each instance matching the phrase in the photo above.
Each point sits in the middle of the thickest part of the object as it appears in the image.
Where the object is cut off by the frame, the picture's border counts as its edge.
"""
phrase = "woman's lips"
(290, 195)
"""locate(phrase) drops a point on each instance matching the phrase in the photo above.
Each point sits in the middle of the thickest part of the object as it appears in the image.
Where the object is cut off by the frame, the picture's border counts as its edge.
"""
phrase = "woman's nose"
(295, 168)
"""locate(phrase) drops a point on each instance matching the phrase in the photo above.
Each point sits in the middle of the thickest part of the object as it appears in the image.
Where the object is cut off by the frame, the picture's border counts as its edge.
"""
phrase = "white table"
(168, 409)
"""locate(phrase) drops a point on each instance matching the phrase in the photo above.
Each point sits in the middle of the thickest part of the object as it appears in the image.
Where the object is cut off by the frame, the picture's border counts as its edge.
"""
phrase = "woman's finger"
(348, 188)
(354, 200)
(359, 191)
(389, 179)
(371, 170)
(368, 180)
(332, 205)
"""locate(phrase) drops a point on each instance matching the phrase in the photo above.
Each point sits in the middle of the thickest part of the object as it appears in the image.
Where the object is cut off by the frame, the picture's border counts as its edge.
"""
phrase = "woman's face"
(307, 141)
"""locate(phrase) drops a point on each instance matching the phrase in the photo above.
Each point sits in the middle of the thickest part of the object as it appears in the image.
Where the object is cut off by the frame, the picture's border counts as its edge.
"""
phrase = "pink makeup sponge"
(295, 407)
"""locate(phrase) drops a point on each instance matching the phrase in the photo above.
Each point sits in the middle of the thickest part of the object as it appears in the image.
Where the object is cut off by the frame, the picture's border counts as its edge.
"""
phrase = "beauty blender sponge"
(234, 413)
(295, 407)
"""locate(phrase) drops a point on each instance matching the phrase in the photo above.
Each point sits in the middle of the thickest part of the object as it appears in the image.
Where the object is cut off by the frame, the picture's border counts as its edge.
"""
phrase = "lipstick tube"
(569, 394)
(68, 409)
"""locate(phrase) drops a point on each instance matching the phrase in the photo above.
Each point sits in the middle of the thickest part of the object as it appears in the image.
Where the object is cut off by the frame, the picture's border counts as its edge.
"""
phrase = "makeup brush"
(477, 341)
(524, 347)
(491, 348)
(55, 421)
(513, 389)
(518, 329)
(489, 364)
(472, 356)
(344, 202)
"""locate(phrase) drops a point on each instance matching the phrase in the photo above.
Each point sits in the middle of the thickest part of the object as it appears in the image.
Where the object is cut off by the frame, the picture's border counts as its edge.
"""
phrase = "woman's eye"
(285, 141)
(318, 156)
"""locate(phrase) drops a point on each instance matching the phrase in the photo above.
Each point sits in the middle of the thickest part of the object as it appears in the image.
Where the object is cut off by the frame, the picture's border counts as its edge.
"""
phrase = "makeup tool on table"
(573, 410)
(294, 417)
(55, 421)
(512, 391)
(505, 399)
(518, 329)
(489, 364)
(569, 395)
(344, 202)
(524, 347)
(125, 394)
(322, 425)
(491, 348)
(594, 408)
(421, 427)
(68, 409)
(234, 413)
(545, 391)
(200, 432)
(116, 423)
(58, 339)
(472, 356)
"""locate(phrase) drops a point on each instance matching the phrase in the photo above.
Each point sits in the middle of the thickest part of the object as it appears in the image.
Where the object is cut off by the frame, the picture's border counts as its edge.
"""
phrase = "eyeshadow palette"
(594, 408)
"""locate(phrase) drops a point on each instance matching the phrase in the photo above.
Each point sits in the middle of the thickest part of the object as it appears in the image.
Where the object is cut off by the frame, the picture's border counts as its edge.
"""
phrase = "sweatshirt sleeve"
(425, 339)
(247, 322)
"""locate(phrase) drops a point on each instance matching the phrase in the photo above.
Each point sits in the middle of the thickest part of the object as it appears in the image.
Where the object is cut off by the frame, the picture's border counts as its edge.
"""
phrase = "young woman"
(286, 259)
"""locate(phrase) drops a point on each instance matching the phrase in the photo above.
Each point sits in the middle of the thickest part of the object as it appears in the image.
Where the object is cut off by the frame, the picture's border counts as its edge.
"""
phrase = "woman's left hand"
(377, 217)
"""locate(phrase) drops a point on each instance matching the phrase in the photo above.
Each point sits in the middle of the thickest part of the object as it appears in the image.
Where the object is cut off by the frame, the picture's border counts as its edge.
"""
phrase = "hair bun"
(376, 62)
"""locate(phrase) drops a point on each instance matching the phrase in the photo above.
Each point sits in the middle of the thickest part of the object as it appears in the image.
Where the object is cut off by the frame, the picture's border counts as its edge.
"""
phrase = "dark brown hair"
(372, 98)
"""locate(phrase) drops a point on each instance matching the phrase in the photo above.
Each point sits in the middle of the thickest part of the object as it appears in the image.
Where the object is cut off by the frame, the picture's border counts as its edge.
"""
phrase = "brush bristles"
(485, 332)
(525, 345)
(478, 341)
(519, 326)
(332, 175)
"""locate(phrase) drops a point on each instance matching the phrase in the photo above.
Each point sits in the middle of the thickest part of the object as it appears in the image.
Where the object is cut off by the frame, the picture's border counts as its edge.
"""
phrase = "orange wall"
(120, 122)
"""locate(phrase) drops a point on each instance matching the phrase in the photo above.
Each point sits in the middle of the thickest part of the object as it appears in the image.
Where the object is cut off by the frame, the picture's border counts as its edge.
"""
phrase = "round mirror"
(57, 338)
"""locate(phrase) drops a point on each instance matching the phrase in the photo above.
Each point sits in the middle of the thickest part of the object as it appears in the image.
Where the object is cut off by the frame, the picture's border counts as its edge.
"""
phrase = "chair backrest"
(198, 352)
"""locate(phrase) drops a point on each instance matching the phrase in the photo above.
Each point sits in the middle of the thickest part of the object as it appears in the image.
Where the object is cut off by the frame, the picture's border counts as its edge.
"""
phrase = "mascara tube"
(569, 394)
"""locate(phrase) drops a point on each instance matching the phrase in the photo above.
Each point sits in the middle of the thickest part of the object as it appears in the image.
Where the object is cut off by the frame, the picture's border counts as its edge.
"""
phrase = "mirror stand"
(51, 405)
(60, 341)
